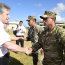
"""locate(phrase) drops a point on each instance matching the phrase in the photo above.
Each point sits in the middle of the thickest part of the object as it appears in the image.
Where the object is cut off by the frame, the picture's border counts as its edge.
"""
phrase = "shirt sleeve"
(38, 45)
(4, 37)
(62, 37)
(62, 34)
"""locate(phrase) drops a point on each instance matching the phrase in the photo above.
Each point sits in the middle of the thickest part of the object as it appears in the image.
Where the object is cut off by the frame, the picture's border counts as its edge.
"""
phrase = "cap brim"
(41, 17)
(28, 20)
(44, 16)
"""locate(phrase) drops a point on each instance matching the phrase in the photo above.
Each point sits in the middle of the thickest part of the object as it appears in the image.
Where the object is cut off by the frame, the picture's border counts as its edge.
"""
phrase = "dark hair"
(21, 21)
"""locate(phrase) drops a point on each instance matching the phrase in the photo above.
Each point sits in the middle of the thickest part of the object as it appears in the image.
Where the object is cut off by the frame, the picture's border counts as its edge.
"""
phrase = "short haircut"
(21, 21)
(2, 6)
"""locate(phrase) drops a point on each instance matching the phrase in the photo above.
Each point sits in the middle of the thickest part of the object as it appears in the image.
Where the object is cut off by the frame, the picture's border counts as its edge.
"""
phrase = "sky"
(21, 9)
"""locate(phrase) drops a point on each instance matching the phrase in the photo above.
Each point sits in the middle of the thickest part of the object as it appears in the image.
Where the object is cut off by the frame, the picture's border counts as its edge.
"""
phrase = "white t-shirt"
(4, 37)
(21, 31)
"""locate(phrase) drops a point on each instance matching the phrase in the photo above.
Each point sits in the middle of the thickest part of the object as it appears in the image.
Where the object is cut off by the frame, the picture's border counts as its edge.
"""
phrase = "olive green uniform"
(33, 35)
(53, 43)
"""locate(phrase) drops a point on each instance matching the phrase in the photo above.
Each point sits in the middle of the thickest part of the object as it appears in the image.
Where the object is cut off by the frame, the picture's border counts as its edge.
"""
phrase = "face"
(30, 22)
(5, 16)
(48, 22)
(20, 23)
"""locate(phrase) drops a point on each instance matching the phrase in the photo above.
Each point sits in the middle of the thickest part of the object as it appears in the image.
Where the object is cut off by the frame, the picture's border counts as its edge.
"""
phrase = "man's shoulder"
(60, 28)
(60, 31)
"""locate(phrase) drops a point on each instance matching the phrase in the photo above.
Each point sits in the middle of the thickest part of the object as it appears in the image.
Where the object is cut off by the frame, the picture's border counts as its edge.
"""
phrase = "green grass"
(20, 58)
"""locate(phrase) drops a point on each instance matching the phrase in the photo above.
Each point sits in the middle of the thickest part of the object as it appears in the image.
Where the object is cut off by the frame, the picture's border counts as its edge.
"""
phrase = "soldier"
(52, 40)
(33, 35)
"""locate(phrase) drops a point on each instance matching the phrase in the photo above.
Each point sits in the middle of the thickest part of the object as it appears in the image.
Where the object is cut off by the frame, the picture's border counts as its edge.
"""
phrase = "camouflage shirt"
(52, 43)
(34, 32)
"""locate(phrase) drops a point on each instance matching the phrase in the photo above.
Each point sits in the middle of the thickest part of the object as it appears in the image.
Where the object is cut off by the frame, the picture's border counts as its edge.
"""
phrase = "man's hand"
(28, 50)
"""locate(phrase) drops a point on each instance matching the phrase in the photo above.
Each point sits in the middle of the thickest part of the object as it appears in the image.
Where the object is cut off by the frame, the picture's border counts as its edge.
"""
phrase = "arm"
(38, 44)
(33, 48)
(14, 47)
(28, 38)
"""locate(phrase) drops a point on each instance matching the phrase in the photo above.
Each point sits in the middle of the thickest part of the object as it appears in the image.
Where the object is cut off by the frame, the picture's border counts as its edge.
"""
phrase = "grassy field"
(21, 58)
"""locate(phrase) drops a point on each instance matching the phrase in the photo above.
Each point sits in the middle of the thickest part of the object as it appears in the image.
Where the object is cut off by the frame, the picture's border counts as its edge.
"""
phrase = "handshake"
(27, 50)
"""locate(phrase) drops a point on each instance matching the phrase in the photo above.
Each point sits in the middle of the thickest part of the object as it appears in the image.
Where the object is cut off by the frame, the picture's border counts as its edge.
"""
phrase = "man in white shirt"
(5, 39)
(20, 33)
(14, 29)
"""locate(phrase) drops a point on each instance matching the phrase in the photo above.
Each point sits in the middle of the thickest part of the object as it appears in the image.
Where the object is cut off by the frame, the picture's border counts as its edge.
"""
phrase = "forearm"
(14, 47)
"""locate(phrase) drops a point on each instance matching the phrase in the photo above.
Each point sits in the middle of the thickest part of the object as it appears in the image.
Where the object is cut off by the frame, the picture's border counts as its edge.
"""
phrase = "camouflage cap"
(31, 17)
(48, 14)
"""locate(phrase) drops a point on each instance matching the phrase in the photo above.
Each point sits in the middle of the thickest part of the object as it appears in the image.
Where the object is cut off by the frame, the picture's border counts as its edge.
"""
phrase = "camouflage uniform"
(53, 43)
(33, 33)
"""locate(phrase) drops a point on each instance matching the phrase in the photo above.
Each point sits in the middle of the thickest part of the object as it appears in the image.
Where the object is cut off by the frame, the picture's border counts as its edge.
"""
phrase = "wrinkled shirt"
(4, 37)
